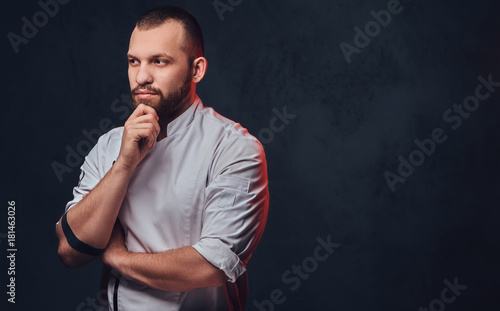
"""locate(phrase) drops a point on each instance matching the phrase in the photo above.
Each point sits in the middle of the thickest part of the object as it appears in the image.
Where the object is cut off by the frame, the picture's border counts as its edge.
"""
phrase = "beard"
(166, 106)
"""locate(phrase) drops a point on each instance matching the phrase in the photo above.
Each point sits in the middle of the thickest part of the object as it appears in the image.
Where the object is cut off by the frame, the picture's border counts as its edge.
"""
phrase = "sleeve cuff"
(221, 256)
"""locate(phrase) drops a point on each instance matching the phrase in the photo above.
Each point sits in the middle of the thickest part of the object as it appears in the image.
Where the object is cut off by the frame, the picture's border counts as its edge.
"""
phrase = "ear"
(199, 69)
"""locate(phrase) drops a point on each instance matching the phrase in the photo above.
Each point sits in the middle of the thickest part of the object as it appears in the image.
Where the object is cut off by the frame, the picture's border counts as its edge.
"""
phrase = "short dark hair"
(158, 16)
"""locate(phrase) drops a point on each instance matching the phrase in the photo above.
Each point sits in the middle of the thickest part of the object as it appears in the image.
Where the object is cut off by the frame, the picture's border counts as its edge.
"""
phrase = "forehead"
(167, 38)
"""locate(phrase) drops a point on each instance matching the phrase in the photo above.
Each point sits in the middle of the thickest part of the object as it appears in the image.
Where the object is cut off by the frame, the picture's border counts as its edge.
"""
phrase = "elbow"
(217, 278)
(66, 257)
(219, 283)
(208, 276)
(69, 257)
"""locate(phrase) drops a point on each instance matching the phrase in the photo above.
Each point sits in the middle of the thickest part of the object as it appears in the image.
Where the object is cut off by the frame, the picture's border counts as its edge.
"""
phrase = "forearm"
(182, 269)
(92, 219)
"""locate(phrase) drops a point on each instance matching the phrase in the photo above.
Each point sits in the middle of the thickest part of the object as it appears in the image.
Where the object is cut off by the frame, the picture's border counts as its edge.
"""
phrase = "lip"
(144, 94)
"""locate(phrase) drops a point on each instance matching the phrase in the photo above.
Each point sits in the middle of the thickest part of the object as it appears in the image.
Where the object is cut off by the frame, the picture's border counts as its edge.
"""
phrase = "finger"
(149, 140)
(145, 119)
(146, 133)
(154, 129)
(142, 110)
(152, 140)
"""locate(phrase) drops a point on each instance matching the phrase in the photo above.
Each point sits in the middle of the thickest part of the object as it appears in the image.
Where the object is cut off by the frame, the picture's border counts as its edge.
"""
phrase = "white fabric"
(204, 185)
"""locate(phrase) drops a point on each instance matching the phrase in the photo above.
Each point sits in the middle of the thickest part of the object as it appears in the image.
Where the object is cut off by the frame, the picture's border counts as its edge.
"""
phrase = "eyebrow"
(152, 56)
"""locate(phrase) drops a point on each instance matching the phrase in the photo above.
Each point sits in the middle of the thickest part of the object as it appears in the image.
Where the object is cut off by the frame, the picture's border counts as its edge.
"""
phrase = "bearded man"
(176, 200)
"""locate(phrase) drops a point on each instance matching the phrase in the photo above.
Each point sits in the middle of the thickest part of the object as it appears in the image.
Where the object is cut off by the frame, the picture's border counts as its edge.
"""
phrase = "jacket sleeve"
(236, 207)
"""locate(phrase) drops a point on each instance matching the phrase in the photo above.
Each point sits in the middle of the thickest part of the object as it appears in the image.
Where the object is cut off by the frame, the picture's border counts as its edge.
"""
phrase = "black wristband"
(76, 244)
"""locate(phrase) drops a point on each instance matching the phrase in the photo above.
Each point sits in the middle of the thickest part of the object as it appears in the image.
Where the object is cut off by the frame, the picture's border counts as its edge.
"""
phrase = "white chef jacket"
(204, 185)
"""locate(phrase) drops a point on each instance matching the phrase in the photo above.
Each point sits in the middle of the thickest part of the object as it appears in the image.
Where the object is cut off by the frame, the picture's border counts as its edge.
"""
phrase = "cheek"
(169, 79)
(131, 78)
(165, 82)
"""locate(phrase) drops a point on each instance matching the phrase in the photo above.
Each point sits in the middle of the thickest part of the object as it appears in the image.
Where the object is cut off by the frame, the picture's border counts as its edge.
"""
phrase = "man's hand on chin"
(115, 252)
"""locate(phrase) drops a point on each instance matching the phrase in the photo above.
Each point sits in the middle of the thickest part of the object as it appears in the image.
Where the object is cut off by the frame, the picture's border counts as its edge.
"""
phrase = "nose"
(144, 76)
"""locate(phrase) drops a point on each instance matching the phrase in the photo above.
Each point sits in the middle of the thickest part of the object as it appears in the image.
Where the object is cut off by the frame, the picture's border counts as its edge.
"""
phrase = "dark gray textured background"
(325, 167)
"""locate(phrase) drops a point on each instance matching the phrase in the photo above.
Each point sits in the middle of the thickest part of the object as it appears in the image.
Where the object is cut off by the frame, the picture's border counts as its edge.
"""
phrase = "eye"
(162, 62)
(133, 61)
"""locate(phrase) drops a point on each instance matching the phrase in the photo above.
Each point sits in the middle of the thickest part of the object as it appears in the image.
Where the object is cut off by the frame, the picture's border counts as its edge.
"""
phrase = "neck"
(165, 121)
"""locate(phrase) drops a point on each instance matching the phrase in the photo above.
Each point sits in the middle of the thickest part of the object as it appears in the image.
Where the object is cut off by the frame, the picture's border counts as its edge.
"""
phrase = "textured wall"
(351, 121)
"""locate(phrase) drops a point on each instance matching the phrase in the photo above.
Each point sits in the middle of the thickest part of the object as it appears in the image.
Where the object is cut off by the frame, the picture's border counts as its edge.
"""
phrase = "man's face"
(159, 72)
